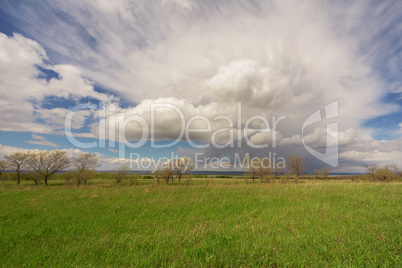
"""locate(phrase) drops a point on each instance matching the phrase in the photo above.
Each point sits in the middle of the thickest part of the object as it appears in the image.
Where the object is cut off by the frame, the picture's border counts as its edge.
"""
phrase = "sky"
(206, 79)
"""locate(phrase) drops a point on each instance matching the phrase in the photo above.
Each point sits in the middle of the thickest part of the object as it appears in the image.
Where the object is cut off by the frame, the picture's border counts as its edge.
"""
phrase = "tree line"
(261, 168)
(383, 173)
(40, 166)
(173, 167)
(257, 168)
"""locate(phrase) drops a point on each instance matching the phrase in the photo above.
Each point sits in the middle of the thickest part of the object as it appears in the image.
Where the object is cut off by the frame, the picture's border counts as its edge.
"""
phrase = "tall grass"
(269, 225)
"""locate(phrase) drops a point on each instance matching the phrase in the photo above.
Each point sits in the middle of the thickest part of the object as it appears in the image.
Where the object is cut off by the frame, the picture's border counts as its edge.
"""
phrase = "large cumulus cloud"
(278, 58)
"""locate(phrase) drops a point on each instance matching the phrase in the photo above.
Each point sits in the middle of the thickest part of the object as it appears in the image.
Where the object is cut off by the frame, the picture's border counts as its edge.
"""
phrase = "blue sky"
(276, 58)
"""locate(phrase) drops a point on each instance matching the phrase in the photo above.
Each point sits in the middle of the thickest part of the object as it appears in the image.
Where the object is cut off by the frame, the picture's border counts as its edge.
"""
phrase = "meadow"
(201, 223)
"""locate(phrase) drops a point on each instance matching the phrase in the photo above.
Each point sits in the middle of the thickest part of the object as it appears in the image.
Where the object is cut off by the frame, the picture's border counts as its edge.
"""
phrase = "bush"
(384, 173)
(70, 177)
(285, 178)
(77, 177)
(8, 176)
(199, 176)
(133, 179)
(35, 177)
(121, 173)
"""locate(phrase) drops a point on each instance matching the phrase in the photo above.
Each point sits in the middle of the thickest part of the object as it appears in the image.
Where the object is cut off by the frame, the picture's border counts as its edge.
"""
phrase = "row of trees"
(383, 173)
(42, 165)
(258, 168)
(262, 168)
(174, 167)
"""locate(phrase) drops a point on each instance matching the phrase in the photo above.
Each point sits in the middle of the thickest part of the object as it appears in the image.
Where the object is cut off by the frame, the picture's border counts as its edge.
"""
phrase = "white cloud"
(23, 91)
(113, 150)
(187, 4)
(5, 149)
(40, 140)
(278, 58)
(38, 137)
(43, 143)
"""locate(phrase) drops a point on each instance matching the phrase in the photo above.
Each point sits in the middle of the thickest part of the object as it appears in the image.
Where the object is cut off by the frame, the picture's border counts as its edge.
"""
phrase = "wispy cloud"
(43, 143)
(113, 150)
(23, 90)
(275, 57)
(41, 140)
(38, 137)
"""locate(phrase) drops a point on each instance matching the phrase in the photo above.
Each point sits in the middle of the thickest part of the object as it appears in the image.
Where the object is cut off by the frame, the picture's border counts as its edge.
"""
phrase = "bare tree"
(259, 167)
(252, 171)
(318, 174)
(181, 165)
(168, 170)
(121, 173)
(3, 166)
(84, 166)
(296, 165)
(47, 163)
(397, 171)
(264, 169)
(165, 172)
(371, 170)
(17, 161)
(325, 172)
(382, 173)
(158, 173)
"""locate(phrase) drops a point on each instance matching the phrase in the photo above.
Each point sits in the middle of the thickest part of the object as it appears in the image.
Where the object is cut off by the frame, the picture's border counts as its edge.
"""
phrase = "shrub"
(35, 177)
(384, 173)
(133, 179)
(121, 173)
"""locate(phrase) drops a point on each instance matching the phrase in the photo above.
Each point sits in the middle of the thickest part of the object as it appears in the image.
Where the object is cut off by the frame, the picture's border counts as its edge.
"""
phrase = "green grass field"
(227, 223)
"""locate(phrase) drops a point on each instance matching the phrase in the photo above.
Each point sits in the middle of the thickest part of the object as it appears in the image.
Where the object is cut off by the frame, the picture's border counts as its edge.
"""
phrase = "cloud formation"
(23, 89)
(278, 58)
(40, 140)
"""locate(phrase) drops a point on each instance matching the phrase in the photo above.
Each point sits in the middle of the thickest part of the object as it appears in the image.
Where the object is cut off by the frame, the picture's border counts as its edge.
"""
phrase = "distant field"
(219, 222)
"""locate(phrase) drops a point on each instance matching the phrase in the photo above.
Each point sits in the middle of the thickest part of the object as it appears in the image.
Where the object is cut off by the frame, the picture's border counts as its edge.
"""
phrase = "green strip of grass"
(327, 224)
